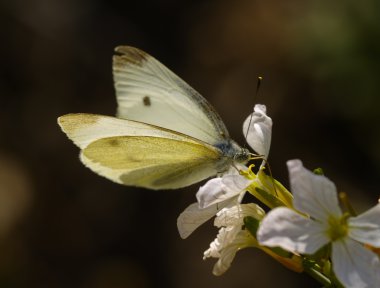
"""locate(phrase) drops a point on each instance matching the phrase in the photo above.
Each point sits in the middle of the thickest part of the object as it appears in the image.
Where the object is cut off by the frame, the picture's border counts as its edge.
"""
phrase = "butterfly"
(165, 135)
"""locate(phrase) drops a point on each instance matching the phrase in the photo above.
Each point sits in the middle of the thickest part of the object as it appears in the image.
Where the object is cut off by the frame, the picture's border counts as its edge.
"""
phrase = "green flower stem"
(326, 282)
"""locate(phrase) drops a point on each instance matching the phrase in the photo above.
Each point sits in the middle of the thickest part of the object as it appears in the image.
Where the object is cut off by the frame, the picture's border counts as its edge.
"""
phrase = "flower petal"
(282, 227)
(234, 216)
(365, 228)
(354, 265)
(220, 189)
(235, 183)
(234, 169)
(228, 242)
(258, 129)
(313, 194)
(210, 192)
(225, 237)
(193, 217)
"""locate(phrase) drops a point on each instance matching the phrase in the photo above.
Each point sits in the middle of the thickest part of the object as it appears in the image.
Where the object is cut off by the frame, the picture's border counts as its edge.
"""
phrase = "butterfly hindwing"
(151, 162)
(139, 154)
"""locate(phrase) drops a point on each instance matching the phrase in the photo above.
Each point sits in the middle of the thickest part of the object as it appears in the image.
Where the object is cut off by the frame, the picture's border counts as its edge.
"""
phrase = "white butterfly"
(165, 136)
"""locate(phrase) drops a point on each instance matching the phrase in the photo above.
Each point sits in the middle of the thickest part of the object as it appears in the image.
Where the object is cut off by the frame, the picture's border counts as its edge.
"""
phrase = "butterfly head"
(242, 156)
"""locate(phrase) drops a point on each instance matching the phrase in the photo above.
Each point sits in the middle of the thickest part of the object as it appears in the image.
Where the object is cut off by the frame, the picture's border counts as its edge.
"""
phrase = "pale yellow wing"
(140, 154)
(83, 128)
(151, 162)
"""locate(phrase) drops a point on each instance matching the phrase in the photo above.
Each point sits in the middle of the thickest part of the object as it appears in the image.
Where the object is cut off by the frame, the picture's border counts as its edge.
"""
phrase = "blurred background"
(63, 226)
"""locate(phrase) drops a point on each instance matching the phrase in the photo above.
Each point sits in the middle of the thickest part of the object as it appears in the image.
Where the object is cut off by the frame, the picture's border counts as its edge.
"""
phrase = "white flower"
(258, 130)
(229, 189)
(231, 237)
(315, 195)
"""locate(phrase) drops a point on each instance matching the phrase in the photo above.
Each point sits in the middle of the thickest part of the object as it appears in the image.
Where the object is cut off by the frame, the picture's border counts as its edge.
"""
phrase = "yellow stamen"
(338, 227)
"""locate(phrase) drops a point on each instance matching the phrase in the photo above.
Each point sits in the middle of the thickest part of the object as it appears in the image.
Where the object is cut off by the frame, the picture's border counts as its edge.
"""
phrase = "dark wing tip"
(69, 122)
(128, 55)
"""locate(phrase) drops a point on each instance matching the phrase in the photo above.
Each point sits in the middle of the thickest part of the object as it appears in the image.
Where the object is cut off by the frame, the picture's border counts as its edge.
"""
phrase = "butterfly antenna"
(259, 79)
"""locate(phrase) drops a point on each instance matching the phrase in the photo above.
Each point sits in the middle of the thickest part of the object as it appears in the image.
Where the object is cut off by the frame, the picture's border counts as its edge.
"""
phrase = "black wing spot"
(146, 101)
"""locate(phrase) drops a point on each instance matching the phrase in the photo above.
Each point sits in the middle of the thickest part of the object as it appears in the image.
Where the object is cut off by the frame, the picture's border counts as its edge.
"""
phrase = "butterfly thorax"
(233, 152)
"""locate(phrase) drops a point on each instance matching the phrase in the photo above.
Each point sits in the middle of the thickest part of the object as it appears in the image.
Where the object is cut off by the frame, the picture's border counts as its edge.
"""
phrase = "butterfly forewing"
(149, 92)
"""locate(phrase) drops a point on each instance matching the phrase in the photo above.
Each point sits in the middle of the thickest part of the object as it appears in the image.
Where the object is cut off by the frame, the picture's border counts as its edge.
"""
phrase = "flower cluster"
(305, 230)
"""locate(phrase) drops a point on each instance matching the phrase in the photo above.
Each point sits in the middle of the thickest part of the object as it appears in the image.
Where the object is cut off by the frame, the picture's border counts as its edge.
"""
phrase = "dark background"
(63, 226)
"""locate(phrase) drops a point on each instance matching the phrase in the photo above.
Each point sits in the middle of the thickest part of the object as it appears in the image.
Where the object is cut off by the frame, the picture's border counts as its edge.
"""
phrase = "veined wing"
(149, 92)
(151, 162)
(83, 128)
(139, 154)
